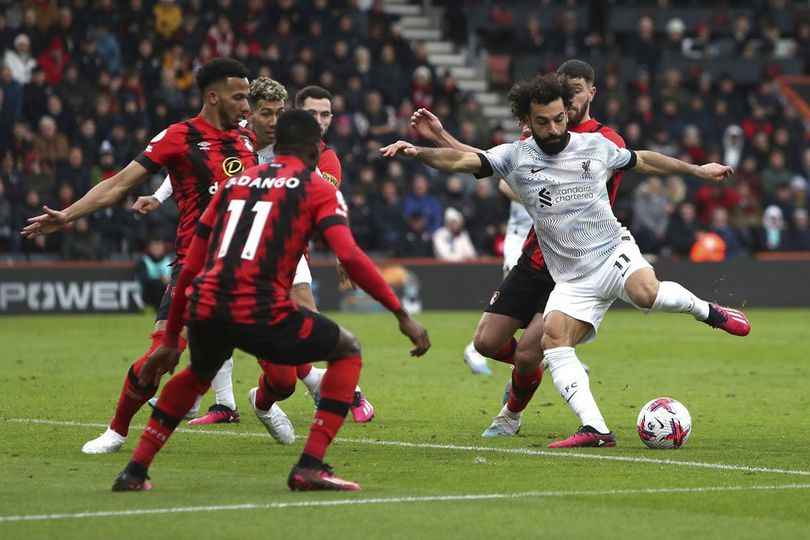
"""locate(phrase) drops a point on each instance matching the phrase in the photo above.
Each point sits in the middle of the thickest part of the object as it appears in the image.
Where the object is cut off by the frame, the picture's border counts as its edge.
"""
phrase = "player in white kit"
(561, 177)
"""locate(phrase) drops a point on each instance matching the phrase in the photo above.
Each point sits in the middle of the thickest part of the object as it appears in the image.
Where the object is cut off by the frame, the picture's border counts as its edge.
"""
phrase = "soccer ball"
(664, 423)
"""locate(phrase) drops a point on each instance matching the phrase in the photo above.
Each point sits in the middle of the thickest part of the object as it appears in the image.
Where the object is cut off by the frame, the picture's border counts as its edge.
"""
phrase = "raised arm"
(443, 159)
(103, 195)
(430, 128)
(649, 162)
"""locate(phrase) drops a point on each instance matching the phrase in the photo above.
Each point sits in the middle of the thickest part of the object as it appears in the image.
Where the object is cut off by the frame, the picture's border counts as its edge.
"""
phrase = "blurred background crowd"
(85, 84)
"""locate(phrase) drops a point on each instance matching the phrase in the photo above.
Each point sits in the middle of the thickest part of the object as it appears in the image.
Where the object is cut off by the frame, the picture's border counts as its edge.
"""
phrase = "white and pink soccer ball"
(664, 423)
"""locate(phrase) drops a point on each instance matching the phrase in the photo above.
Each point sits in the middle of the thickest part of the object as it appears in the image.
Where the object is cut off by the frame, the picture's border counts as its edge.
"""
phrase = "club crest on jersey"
(232, 165)
(494, 298)
(544, 197)
(248, 144)
(586, 169)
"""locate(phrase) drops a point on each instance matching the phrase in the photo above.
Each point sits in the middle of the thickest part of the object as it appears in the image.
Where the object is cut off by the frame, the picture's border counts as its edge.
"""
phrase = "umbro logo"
(204, 145)
(538, 169)
(544, 197)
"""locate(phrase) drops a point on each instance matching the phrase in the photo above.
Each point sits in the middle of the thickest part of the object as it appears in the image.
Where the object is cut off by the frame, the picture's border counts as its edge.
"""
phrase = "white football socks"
(675, 298)
(313, 380)
(573, 385)
(223, 385)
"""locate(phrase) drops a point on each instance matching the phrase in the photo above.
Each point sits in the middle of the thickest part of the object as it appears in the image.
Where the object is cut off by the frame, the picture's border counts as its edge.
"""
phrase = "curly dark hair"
(541, 89)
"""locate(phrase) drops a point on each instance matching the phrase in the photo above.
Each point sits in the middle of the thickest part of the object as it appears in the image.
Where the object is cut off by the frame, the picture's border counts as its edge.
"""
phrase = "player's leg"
(643, 289)
(336, 396)
(526, 379)
(301, 293)
(224, 410)
(133, 394)
(276, 383)
(209, 346)
(573, 315)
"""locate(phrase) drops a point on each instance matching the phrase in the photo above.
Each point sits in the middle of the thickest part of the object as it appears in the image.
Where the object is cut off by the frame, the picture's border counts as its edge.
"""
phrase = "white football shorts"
(588, 298)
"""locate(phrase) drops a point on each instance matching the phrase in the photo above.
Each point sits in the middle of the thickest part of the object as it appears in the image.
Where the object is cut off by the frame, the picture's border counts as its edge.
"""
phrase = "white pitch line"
(393, 500)
(433, 446)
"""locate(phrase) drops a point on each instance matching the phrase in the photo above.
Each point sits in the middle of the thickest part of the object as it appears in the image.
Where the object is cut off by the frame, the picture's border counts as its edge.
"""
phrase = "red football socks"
(276, 383)
(523, 388)
(507, 353)
(176, 399)
(337, 393)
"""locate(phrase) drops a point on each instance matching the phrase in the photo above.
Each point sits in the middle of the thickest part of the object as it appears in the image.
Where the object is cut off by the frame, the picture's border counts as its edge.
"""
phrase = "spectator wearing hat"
(451, 241)
(773, 227)
(105, 168)
(19, 59)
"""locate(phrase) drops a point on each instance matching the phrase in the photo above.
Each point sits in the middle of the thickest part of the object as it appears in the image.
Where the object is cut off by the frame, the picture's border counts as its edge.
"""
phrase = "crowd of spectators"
(85, 84)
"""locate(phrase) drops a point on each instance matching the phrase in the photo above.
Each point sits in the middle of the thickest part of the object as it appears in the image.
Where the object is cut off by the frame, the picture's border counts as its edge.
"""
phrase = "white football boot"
(476, 361)
(277, 423)
(106, 443)
(503, 425)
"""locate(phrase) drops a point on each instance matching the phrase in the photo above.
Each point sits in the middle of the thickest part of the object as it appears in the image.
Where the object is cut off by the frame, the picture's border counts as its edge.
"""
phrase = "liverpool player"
(522, 295)
(561, 177)
(244, 253)
(197, 154)
(267, 102)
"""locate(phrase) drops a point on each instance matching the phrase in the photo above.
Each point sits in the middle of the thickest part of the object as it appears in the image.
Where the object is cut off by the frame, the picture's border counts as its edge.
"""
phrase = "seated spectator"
(682, 230)
(453, 194)
(422, 201)
(711, 196)
(451, 242)
(651, 211)
(775, 174)
(50, 145)
(105, 168)
(415, 240)
(773, 226)
(386, 214)
(153, 272)
(746, 217)
(36, 178)
(484, 213)
(721, 227)
(798, 236)
(19, 59)
(361, 221)
(82, 244)
(75, 172)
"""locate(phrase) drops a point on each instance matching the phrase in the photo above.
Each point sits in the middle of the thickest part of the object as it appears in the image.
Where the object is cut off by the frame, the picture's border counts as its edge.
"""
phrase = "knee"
(527, 359)
(485, 343)
(644, 294)
(353, 347)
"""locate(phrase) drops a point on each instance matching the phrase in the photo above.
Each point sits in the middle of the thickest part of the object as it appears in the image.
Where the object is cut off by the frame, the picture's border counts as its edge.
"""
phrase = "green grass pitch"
(745, 472)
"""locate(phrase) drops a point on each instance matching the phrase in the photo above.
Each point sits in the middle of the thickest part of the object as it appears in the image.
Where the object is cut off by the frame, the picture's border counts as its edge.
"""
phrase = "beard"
(575, 115)
(552, 145)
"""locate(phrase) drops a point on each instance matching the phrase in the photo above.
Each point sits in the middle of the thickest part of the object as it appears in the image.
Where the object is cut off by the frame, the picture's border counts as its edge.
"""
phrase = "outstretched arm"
(430, 128)
(363, 272)
(443, 159)
(104, 194)
(649, 162)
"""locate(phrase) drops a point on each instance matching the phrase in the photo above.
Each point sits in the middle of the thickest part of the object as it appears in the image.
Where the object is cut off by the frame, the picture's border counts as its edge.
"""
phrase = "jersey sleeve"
(162, 149)
(499, 161)
(329, 207)
(617, 158)
(329, 167)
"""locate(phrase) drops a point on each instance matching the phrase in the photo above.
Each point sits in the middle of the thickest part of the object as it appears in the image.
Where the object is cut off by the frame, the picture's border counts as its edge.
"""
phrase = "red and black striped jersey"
(257, 227)
(329, 165)
(197, 157)
(531, 254)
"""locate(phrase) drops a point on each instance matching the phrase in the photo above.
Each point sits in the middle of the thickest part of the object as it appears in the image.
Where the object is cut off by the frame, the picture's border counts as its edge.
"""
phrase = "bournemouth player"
(244, 254)
(267, 103)
(561, 177)
(525, 289)
(197, 154)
